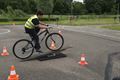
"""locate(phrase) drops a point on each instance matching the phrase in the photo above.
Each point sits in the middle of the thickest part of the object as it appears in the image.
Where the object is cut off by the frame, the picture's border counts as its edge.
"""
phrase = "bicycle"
(24, 48)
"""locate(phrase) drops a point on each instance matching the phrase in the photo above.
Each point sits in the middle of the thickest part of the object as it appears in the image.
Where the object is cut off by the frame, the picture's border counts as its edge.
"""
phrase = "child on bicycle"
(33, 26)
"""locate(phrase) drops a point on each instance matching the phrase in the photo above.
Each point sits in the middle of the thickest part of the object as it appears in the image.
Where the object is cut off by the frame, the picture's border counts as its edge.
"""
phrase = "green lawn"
(88, 21)
(11, 23)
(76, 22)
(112, 27)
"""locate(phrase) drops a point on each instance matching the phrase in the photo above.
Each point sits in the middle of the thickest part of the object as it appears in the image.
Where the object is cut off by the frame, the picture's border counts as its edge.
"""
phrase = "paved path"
(97, 44)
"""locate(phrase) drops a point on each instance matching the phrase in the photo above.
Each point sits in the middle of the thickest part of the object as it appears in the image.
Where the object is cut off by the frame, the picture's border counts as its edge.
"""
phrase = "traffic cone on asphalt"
(13, 75)
(52, 45)
(83, 61)
(60, 32)
(5, 52)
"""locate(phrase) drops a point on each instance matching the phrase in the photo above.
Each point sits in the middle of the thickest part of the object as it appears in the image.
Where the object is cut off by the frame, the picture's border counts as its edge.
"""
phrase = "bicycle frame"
(46, 31)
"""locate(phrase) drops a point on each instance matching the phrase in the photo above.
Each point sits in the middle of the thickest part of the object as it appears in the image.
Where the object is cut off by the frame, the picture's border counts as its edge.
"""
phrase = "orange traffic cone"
(5, 52)
(83, 61)
(13, 75)
(60, 32)
(52, 46)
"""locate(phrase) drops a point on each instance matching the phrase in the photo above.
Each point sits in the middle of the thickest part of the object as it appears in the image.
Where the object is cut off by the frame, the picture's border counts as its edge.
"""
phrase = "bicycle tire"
(60, 37)
(21, 41)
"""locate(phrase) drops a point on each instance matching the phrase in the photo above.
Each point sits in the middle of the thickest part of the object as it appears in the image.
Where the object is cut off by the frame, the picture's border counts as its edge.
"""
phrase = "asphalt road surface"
(95, 43)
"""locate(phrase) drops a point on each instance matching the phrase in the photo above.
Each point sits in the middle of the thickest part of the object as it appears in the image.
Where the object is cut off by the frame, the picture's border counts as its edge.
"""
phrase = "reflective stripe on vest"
(29, 23)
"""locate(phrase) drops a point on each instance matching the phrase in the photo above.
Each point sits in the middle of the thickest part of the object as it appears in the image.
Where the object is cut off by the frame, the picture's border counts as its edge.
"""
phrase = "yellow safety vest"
(29, 23)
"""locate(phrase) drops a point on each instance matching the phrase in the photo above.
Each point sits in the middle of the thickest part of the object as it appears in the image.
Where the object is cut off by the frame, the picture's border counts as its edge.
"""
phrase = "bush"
(19, 19)
(25, 19)
(10, 13)
(51, 19)
(20, 13)
(3, 13)
(4, 20)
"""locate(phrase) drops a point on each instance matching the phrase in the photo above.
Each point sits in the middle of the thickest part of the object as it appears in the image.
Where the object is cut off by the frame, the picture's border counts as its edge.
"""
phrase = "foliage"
(62, 6)
(59, 7)
(10, 13)
(45, 5)
(78, 8)
(100, 6)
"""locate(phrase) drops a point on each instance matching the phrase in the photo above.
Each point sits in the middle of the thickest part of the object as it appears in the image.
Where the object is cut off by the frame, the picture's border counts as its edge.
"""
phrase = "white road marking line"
(6, 31)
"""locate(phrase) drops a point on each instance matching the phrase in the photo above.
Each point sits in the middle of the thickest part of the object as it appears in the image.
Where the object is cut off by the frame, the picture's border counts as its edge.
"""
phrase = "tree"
(2, 4)
(78, 8)
(62, 6)
(45, 5)
(93, 6)
(117, 1)
(27, 6)
(58, 7)
(99, 6)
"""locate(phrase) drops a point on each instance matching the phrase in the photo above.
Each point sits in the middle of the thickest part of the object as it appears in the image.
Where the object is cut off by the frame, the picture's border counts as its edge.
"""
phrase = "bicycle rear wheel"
(54, 41)
(23, 49)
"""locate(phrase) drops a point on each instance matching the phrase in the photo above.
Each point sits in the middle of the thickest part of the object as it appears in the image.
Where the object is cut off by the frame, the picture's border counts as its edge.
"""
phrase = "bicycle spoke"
(54, 41)
(23, 49)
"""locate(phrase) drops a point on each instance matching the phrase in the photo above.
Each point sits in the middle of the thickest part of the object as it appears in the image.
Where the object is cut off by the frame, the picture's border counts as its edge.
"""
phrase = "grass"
(22, 22)
(112, 27)
(78, 22)
(75, 22)
(82, 20)
(13, 22)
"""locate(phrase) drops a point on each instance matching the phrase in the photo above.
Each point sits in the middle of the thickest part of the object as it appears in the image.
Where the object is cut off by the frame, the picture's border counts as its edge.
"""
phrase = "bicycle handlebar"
(49, 27)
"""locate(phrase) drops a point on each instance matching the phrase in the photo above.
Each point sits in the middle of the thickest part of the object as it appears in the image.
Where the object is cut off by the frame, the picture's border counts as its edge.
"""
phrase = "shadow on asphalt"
(49, 55)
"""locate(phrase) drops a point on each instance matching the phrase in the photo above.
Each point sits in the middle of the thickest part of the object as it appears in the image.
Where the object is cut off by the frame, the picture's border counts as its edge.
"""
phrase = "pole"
(71, 8)
(118, 11)
(71, 12)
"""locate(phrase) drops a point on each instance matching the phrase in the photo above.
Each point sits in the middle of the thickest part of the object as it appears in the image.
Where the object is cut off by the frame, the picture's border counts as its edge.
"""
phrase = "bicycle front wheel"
(23, 49)
(54, 41)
